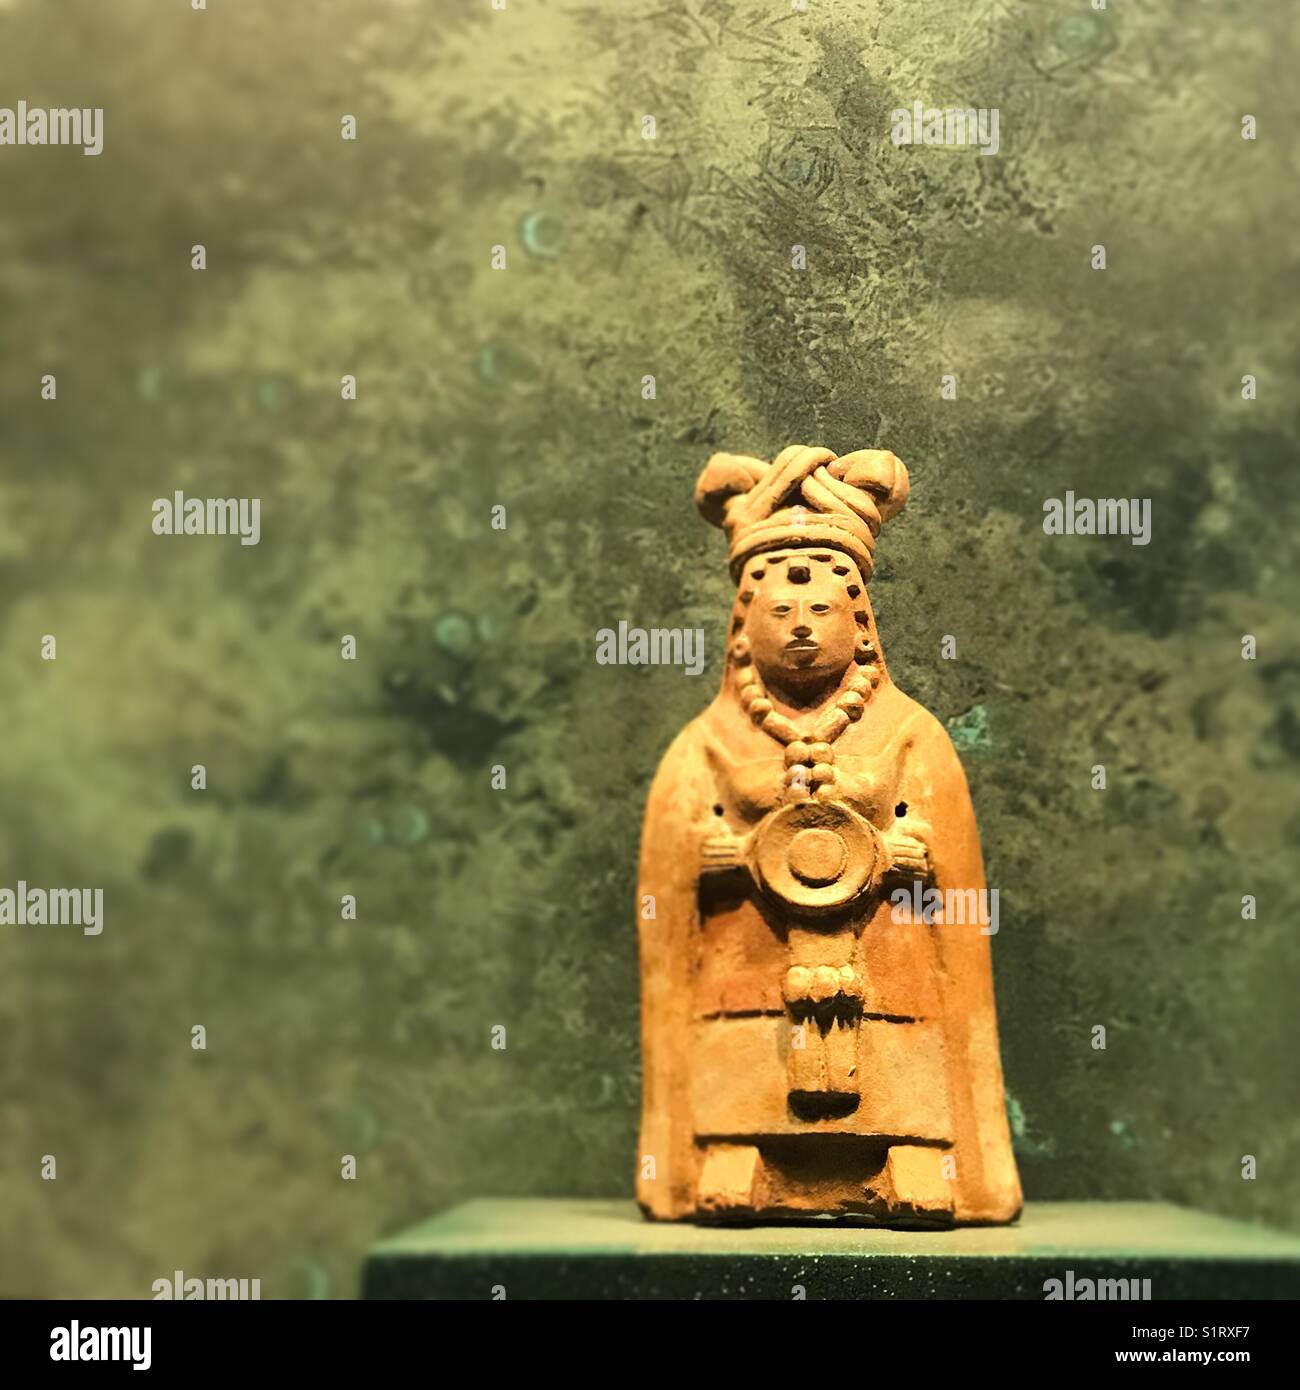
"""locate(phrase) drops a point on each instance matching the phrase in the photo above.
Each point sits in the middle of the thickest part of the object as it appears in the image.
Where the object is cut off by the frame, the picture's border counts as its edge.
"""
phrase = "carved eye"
(821, 608)
(781, 609)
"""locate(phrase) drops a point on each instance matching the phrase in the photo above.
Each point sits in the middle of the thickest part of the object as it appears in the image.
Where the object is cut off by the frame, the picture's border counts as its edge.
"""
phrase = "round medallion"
(816, 856)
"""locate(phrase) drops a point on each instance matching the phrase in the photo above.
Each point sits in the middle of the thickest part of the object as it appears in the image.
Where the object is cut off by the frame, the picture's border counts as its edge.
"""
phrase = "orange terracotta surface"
(810, 1047)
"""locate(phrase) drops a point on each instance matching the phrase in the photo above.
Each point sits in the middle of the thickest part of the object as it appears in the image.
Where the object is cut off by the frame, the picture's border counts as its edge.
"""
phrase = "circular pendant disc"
(817, 856)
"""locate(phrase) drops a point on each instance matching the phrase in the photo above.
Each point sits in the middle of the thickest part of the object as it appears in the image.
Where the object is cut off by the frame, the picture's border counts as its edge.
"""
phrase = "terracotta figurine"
(818, 1028)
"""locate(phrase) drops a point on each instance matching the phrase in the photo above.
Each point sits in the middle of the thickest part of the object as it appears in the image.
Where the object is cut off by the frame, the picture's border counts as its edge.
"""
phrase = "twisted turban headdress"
(804, 497)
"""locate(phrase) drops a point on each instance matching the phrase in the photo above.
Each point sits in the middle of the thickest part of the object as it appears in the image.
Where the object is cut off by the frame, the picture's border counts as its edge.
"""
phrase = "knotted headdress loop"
(804, 497)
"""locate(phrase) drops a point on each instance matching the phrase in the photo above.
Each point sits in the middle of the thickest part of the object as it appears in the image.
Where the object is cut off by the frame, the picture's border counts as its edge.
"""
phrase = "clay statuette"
(818, 1027)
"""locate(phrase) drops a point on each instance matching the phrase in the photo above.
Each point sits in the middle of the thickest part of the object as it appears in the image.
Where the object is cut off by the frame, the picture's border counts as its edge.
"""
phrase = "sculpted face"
(801, 621)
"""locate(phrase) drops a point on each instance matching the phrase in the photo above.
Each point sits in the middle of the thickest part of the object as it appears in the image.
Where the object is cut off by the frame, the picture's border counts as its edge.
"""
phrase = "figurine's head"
(803, 617)
(803, 534)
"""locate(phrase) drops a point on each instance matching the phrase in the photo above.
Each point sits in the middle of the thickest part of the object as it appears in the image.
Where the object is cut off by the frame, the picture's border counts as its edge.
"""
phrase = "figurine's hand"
(909, 851)
(722, 852)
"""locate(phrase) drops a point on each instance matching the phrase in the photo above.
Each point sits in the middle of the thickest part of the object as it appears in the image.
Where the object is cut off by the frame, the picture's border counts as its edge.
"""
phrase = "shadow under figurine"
(812, 1043)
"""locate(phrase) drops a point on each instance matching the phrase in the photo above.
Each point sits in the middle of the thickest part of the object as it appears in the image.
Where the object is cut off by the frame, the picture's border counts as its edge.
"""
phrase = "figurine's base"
(563, 1248)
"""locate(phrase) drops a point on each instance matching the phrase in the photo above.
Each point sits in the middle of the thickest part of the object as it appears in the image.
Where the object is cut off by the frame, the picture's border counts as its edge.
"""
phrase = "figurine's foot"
(730, 1182)
(912, 1186)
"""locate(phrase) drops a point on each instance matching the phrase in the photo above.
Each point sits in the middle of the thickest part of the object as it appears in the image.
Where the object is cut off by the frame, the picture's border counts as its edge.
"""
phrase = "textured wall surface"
(626, 257)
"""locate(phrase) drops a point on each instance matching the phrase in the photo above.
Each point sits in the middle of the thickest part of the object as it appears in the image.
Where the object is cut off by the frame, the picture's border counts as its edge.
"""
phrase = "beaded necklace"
(809, 760)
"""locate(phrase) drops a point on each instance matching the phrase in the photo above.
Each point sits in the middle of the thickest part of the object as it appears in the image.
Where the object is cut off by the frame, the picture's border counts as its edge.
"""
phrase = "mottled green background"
(522, 387)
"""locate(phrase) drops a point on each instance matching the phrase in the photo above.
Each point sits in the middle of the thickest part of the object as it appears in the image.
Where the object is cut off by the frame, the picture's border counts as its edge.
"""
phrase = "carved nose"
(803, 630)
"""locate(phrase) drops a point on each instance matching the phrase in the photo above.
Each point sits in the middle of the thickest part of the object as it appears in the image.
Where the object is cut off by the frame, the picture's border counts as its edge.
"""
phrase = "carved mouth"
(802, 644)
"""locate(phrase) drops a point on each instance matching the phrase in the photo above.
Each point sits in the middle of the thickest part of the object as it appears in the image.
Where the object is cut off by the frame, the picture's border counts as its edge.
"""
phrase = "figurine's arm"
(933, 834)
(909, 835)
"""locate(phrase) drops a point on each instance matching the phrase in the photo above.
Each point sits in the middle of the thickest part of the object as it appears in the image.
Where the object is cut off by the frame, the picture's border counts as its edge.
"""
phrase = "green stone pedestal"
(561, 1248)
